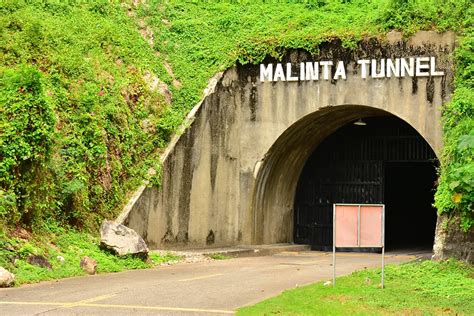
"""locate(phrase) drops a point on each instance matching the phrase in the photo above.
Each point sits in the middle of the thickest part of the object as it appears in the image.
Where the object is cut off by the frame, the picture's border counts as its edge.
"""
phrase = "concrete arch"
(279, 172)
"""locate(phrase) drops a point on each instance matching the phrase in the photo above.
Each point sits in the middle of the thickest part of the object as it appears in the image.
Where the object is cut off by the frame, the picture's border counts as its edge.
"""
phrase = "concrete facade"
(231, 175)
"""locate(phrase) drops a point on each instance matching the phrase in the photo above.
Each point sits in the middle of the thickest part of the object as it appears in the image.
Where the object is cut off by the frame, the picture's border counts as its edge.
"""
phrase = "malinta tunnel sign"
(357, 226)
(373, 68)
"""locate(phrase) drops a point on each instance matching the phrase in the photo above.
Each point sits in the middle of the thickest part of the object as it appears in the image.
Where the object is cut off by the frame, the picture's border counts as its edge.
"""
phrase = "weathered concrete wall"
(230, 177)
(451, 241)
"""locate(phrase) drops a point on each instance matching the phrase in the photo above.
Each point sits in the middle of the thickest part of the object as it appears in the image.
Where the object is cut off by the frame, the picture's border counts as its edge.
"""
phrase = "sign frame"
(382, 242)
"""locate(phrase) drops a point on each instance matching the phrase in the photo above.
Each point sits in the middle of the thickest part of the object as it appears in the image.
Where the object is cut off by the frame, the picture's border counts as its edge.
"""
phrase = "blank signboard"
(358, 225)
(371, 226)
(346, 225)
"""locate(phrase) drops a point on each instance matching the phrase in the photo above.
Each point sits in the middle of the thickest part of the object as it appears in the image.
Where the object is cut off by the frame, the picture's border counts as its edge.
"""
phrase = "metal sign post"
(334, 245)
(357, 226)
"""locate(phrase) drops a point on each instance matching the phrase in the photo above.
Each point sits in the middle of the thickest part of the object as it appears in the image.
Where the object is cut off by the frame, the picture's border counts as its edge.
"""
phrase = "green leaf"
(453, 185)
(465, 142)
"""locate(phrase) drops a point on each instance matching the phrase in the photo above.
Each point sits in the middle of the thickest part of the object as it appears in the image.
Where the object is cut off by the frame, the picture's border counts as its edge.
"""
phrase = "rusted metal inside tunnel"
(279, 175)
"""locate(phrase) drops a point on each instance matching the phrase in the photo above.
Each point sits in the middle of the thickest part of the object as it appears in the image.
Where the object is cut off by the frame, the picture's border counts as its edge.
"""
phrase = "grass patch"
(70, 244)
(418, 288)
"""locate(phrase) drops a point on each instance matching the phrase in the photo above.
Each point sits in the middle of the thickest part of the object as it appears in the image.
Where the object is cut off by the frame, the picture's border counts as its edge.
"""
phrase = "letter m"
(266, 73)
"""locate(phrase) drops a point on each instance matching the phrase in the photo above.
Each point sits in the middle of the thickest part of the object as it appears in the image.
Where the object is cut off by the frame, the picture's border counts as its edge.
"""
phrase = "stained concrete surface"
(206, 288)
(230, 176)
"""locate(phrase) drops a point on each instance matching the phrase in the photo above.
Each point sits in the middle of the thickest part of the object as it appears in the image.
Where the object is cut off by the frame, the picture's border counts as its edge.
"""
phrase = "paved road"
(217, 287)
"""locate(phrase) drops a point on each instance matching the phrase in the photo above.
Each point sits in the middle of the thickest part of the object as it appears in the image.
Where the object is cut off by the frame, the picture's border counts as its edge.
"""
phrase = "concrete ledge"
(244, 250)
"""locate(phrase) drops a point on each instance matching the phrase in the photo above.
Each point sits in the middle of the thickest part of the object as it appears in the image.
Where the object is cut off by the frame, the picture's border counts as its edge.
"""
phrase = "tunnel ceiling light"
(359, 122)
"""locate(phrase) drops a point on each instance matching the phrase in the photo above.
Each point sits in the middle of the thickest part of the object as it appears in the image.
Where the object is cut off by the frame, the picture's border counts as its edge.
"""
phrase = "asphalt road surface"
(204, 288)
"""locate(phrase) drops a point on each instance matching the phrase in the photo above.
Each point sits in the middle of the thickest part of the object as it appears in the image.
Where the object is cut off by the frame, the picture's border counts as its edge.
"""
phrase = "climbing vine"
(455, 191)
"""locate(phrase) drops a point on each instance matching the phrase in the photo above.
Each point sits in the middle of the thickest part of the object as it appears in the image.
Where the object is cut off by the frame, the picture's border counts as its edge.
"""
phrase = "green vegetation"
(456, 183)
(74, 101)
(419, 288)
(70, 244)
(75, 97)
(82, 122)
(84, 109)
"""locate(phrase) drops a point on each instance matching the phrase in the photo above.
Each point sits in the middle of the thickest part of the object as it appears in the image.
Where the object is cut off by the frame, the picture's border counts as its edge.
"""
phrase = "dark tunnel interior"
(385, 161)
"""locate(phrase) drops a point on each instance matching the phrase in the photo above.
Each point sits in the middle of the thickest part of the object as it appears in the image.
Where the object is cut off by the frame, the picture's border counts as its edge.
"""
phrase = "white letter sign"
(374, 68)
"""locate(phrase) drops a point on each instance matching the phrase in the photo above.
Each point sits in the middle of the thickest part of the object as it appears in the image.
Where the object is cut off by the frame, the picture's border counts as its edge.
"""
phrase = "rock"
(122, 240)
(155, 84)
(6, 277)
(394, 37)
(60, 259)
(39, 261)
(327, 283)
(89, 265)
(21, 233)
(452, 241)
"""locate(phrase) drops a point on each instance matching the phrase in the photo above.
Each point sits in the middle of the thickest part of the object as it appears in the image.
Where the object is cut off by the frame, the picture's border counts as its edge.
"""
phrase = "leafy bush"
(27, 124)
(456, 183)
(78, 117)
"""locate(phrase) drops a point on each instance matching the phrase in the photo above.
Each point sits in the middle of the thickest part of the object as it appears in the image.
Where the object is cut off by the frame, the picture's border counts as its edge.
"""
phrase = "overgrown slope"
(79, 110)
(82, 113)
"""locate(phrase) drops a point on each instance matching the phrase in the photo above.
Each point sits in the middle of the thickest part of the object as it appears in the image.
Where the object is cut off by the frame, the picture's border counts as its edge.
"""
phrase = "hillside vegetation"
(90, 91)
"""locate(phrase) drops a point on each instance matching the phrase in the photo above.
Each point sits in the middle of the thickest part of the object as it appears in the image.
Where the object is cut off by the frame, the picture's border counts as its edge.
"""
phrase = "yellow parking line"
(32, 303)
(90, 300)
(200, 277)
(178, 309)
(160, 308)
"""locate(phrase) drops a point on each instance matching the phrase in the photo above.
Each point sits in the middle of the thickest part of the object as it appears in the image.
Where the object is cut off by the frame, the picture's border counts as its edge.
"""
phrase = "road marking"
(32, 303)
(179, 309)
(160, 308)
(200, 277)
(89, 300)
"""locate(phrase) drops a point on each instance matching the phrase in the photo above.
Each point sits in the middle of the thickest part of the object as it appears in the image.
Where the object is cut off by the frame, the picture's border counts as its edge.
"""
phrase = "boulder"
(122, 240)
(39, 261)
(6, 277)
(89, 265)
(452, 241)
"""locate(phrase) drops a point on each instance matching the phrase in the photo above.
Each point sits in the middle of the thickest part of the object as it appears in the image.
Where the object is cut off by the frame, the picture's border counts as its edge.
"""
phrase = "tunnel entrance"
(385, 161)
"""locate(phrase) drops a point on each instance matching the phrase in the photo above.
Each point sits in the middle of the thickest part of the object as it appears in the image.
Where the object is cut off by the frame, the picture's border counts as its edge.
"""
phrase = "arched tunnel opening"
(382, 159)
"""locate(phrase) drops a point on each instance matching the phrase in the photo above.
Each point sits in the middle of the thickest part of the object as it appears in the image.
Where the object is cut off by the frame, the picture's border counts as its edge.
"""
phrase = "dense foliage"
(456, 183)
(82, 118)
(74, 104)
